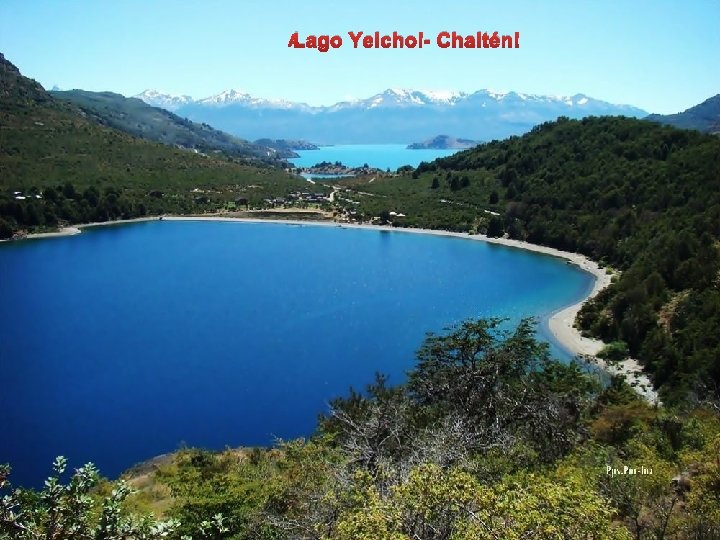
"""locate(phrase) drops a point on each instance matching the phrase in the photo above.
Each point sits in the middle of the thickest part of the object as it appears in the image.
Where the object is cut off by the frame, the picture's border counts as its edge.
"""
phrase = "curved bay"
(125, 342)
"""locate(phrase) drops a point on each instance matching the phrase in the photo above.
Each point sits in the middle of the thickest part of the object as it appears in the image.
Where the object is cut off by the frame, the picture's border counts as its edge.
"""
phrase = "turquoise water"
(125, 342)
(380, 156)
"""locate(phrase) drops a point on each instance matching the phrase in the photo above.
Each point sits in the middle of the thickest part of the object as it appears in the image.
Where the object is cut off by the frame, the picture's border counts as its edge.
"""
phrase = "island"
(443, 142)
(328, 168)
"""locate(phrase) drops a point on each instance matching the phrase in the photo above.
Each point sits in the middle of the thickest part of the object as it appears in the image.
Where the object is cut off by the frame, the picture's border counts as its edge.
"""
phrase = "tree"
(495, 227)
(509, 176)
(437, 504)
(69, 191)
(511, 192)
(373, 431)
(49, 194)
(490, 378)
(615, 351)
(91, 195)
(6, 231)
(67, 510)
(435, 183)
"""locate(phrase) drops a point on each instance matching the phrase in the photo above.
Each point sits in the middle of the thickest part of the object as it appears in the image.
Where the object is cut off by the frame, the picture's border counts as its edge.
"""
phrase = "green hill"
(65, 166)
(137, 118)
(703, 117)
(635, 195)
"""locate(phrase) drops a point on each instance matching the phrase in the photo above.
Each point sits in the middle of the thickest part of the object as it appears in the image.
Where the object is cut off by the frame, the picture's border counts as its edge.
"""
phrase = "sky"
(660, 55)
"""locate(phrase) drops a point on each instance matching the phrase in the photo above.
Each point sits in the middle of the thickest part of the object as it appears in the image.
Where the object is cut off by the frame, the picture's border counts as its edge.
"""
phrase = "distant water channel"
(380, 156)
(125, 342)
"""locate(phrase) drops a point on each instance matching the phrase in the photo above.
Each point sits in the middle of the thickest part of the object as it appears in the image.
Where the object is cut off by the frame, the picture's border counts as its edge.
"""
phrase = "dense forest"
(60, 165)
(488, 439)
(634, 195)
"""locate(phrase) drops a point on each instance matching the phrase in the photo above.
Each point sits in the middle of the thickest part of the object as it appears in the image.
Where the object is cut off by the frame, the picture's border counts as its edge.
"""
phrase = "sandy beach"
(561, 323)
(65, 231)
(77, 229)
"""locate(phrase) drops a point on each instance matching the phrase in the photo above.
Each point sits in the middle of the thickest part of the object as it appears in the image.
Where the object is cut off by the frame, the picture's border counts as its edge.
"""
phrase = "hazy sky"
(661, 55)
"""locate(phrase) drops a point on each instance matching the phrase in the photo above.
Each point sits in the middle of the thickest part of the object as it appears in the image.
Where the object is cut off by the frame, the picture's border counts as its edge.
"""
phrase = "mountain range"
(393, 116)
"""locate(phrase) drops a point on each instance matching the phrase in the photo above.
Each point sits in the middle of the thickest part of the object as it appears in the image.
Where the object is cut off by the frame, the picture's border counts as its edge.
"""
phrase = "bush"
(615, 351)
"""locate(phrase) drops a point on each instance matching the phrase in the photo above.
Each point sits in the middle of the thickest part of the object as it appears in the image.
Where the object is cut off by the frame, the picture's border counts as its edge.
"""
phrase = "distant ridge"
(393, 116)
(704, 117)
(140, 119)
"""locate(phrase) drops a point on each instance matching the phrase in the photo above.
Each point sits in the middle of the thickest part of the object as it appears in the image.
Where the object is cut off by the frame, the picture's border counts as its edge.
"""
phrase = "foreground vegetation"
(634, 195)
(489, 438)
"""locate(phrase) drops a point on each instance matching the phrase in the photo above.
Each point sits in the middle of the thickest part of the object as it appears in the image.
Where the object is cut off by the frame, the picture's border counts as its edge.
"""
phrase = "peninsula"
(443, 142)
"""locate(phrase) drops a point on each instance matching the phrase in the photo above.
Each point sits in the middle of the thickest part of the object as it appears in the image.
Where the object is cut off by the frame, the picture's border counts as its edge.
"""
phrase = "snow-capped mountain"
(165, 101)
(395, 115)
(223, 99)
(400, 97)
(237, 97)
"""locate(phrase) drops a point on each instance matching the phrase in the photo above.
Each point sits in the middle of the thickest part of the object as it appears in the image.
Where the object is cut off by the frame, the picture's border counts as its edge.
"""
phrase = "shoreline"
(77, 229)
(561, 323)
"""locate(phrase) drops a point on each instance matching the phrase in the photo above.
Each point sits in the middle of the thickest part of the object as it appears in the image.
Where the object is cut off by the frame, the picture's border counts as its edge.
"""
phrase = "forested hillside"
(634, 195)
(141, 120)
(703, 117)
(57, 164)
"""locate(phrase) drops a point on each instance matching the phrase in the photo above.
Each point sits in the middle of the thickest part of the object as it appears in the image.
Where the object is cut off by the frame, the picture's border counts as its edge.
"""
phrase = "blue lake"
(125, 342)
(381, 156)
